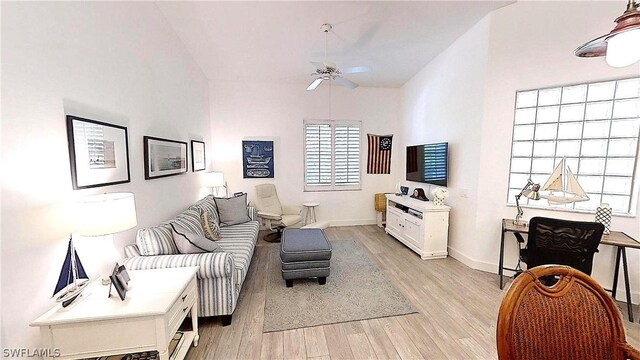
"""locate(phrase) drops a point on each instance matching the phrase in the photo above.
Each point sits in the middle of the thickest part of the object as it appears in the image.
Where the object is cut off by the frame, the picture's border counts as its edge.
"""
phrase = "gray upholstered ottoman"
(305, 253)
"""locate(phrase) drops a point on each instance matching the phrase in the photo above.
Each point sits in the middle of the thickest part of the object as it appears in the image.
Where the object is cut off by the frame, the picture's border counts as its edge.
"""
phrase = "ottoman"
(305, 253)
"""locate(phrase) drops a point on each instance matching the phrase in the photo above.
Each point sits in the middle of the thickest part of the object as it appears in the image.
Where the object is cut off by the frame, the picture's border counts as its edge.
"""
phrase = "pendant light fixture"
(621, 47)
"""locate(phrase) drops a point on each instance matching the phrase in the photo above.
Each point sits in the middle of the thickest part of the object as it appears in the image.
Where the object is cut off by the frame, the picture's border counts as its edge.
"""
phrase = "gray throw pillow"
(232, 210)
(190, 243)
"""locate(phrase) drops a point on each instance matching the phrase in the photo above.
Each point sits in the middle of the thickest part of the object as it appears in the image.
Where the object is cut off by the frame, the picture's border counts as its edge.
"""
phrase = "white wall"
(443, 103)
(119, 63)
(521, 46)
(272, 111)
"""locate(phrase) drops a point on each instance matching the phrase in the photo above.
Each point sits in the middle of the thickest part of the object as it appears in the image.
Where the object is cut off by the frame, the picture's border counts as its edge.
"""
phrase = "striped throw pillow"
(156, 240)
(190, 220)
(210, 226)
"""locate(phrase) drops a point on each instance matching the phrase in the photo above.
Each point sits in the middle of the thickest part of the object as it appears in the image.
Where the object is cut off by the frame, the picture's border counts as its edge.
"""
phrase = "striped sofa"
(221, 274)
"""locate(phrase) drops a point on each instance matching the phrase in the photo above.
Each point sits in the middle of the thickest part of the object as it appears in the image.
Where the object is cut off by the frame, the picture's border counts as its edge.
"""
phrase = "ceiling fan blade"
(355, 69)
(314, 84)
(318, 65)
(345, 82)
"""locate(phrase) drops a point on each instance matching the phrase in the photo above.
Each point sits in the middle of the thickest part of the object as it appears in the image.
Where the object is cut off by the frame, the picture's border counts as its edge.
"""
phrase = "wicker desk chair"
(573, 319)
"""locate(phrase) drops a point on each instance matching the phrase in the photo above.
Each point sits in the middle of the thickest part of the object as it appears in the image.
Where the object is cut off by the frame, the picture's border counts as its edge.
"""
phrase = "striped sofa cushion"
(190, 221)
(207, 204)
(156, 240)
(234, 239)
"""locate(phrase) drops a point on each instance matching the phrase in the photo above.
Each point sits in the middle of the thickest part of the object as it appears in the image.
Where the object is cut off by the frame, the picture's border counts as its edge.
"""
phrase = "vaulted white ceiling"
(274, 41)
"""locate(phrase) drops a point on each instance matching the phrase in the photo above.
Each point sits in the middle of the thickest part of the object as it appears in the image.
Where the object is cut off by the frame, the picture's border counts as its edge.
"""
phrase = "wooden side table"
(310, 214)
(95, 325)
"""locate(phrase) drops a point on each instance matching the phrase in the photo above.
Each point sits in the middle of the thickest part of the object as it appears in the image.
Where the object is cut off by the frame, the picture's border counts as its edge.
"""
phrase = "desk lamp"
(530, 191)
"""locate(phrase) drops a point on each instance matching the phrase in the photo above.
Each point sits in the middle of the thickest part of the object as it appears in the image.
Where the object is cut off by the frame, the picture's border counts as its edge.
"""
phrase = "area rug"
(355, 290)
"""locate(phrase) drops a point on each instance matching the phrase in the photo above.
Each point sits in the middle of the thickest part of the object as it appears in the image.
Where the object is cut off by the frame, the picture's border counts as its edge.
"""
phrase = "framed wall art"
(198, 162)
(98, 153)
(163, 157)
(257, 159)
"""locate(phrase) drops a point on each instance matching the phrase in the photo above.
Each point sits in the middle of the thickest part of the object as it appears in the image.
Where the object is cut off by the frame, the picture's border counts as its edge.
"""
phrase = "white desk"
(95, 325)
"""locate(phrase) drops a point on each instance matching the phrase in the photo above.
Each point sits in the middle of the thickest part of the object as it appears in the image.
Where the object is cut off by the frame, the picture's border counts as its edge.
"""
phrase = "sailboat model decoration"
(73, 279)
(563, 187)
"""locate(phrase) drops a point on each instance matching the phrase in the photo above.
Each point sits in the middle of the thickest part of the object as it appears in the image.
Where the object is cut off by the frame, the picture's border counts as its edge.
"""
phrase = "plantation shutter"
(347, 154)
(317, 154)
(331, 155)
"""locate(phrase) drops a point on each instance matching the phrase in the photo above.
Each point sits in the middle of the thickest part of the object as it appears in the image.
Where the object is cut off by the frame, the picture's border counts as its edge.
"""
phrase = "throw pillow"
(232, 210)
(190, 220)
(190, 243)
(156, 240)
(207, 204)
(210, 226)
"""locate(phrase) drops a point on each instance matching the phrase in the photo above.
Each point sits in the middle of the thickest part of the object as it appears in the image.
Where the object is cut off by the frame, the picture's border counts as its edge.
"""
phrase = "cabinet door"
(394, 221)
(413, 230)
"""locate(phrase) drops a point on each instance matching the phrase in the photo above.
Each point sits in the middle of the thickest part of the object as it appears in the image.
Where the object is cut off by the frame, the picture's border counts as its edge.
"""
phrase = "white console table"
(95, 325)
(423, 227)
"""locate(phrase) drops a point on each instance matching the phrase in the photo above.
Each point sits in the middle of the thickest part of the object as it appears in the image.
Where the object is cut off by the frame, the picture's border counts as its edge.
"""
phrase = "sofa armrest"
(253, 213)
(210, 265)
(291, 210)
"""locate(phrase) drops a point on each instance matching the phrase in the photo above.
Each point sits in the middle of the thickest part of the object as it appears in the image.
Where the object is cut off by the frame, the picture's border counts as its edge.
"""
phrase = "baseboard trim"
(352, 222)
(473, 263)
(493, 268)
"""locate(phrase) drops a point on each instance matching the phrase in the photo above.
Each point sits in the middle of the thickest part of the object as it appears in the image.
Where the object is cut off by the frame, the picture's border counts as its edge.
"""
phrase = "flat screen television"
(428, 163)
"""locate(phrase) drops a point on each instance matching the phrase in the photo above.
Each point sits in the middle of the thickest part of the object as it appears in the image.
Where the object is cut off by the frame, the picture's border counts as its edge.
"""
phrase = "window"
(331, 155)
(594, 126)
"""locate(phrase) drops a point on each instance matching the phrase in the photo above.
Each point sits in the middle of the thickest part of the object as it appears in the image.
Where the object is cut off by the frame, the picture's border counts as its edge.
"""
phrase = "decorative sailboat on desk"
(563, 187)
(73, 279)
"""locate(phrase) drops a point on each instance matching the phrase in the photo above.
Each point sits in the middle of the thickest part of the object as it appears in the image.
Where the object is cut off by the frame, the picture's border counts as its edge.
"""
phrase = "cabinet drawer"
(180, 308)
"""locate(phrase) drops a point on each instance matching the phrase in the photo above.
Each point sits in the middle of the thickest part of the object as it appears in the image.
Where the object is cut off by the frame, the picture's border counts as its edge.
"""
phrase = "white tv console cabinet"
(424, 227)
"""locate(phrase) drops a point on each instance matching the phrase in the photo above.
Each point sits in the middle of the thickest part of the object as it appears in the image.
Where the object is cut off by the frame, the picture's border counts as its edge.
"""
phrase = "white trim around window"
(332, 155)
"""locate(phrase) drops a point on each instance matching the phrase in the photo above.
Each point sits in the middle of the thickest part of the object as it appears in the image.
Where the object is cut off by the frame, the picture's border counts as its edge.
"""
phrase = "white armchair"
(274, 215)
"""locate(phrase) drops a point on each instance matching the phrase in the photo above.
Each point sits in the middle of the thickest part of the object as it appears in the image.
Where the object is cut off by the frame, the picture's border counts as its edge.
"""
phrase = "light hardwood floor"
(457, 308)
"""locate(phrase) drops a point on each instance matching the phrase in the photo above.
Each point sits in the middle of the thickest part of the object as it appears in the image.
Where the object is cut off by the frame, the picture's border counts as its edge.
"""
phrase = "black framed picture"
(163, 157)
(119, 281)
(198, 162)
(122, 291)
(98, 153)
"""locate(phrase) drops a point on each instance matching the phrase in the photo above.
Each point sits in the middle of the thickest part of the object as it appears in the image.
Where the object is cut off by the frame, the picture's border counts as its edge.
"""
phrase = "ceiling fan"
(327, 70)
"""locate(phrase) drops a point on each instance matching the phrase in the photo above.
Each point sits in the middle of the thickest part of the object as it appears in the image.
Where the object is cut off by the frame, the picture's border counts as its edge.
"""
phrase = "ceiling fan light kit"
(328, 70)
(621, 47)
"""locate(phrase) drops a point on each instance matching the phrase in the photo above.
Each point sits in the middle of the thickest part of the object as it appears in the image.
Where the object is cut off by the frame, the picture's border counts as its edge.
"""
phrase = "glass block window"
(595, 126)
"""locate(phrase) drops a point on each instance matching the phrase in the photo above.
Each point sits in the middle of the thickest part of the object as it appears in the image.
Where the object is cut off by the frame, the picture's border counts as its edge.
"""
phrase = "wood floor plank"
(315, 342)
(400, 339)
(272, 346)
(379, 340)
(337, 342)
(360, 346)
(294, 347)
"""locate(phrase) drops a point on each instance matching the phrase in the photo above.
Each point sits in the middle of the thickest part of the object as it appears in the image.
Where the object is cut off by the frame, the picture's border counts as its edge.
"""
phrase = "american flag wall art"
(379, 154)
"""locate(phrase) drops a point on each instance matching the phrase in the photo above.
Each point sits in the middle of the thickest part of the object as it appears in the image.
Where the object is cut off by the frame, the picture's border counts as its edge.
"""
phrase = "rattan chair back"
(573, 319)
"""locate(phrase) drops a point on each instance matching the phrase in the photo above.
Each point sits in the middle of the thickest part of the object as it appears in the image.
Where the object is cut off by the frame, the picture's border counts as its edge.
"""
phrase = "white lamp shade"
(105, 214)
(213, 179)
(623, 49)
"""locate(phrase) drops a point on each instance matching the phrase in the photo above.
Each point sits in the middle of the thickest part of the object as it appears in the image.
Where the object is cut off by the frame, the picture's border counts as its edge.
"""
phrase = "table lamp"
(530, 191)
(95, 215)
(215, 181)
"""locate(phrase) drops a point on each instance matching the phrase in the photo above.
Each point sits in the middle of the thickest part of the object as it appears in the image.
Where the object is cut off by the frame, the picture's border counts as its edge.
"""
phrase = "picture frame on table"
(119, 279)
(198, 159)
(164, 157)
(98, 153)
